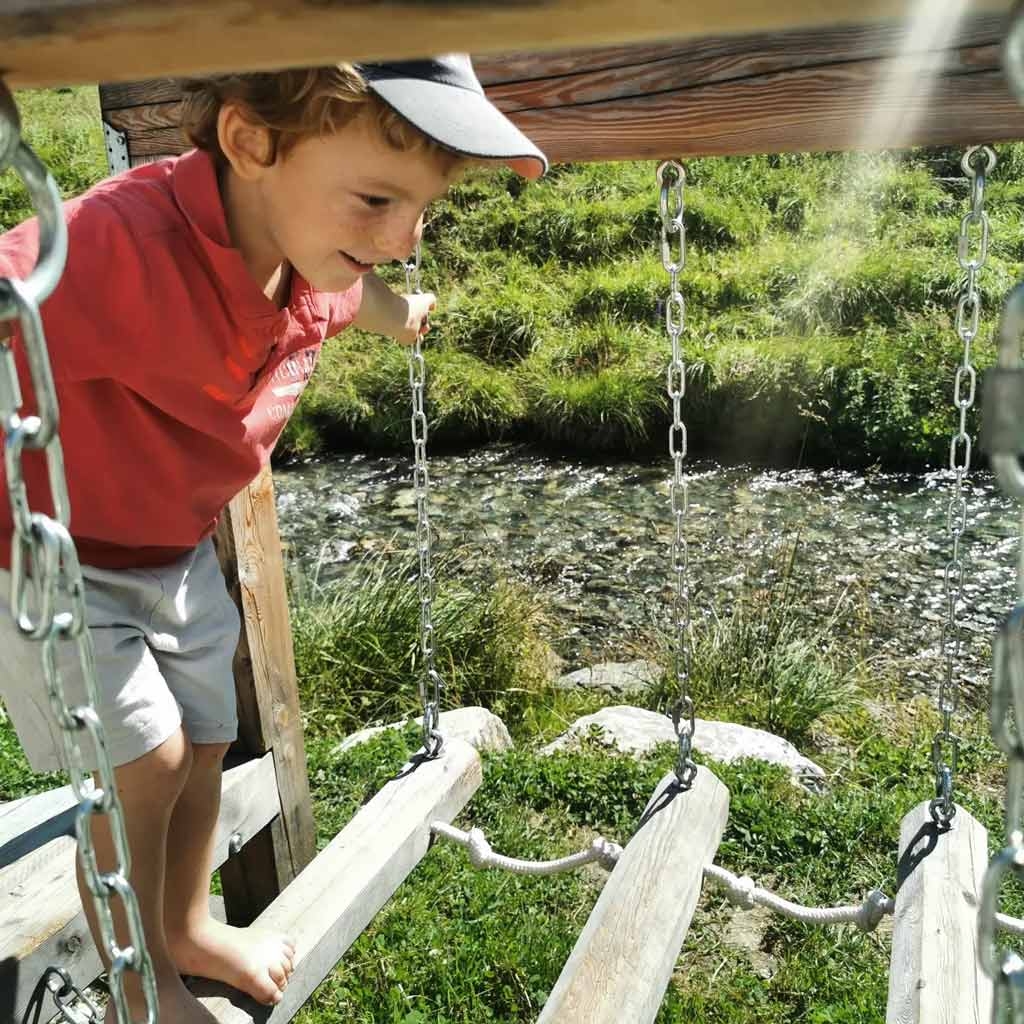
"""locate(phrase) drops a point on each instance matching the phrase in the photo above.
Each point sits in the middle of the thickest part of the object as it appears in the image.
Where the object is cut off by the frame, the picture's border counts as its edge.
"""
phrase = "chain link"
(430, 683)
(46, 578)
(1006, 716)
(972, 253)
(672, 203)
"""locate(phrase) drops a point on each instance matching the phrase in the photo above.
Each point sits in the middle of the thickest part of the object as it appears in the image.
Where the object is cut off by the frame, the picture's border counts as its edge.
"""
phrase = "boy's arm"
(402, 317)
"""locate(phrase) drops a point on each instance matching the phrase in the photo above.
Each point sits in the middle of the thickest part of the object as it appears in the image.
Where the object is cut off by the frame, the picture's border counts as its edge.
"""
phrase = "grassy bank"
(820, 294)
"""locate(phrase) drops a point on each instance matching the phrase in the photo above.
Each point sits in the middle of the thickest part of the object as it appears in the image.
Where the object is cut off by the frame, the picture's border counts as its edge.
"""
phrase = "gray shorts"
(164, 640)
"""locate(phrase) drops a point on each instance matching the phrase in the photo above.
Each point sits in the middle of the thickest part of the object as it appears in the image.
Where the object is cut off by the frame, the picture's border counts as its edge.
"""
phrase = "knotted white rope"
(481, 855)
(743, 891)
(740, 890)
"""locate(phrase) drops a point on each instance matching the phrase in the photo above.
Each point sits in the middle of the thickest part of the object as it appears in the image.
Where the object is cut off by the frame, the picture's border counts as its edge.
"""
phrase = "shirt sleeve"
(343, 308)
(84, 316)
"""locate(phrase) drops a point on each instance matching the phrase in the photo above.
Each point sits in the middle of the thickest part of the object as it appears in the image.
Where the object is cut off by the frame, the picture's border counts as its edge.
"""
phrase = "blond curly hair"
(296, 104)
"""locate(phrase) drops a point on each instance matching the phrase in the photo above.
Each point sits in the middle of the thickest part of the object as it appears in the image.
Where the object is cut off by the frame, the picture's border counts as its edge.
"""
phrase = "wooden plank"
(334, 899)
(55, 42)
(839, 107)
(32, 820)
(860, 88)
(935, 976)
(249, 549)
(623, 960)
(41, 918)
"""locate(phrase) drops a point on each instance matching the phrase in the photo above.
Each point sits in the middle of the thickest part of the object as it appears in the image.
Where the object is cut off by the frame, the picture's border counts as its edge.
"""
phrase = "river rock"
(612, 677)
(636, 731)
(479, 728)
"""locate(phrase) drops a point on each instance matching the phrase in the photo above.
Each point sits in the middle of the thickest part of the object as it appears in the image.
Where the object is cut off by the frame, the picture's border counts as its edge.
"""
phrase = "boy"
(196, 296)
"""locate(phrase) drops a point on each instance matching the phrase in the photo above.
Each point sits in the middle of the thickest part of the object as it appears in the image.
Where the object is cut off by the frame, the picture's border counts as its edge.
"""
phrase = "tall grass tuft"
(357, 648)
(760, 663)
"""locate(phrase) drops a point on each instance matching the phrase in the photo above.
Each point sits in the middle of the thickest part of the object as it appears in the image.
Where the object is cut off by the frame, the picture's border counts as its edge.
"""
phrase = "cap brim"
(462, 121)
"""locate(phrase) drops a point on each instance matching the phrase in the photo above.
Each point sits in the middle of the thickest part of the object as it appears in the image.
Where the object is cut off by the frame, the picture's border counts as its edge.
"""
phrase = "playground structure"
(737, 80)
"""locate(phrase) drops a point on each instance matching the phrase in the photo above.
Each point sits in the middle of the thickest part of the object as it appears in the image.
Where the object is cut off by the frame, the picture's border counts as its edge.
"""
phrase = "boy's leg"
(162, 771)
(251, 960)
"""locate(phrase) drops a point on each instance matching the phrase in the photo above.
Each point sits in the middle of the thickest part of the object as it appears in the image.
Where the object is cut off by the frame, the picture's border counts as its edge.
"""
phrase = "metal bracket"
(117, 149)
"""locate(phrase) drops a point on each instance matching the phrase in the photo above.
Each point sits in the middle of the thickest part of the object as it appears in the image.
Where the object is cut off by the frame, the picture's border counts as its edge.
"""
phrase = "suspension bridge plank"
(858, 87)
(338, 894)
(57, 42)
(624, 957)
(934, 975)
(41, 917)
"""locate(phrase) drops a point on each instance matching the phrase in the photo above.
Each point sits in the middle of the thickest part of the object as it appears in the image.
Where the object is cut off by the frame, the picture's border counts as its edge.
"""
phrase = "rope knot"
(606, 852)
(480, 851)
(740, 892)
(876, 905)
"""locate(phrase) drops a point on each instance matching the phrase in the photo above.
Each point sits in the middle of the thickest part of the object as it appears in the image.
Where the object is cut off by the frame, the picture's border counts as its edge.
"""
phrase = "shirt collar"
(194, 181)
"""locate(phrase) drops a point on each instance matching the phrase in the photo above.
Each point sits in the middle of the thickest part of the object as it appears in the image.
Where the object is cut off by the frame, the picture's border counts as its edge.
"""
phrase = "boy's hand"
(417, 321)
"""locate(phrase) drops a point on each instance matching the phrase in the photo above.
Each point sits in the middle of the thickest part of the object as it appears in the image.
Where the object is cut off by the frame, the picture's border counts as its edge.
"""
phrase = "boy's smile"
(333, 207)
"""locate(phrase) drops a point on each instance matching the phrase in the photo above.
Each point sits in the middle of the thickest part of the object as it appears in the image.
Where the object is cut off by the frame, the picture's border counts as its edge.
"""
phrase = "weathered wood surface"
(249, 549)
(53, 42)
(41, 920)
(859, 87)
(934, 975)
(334, 899)
(623, 960)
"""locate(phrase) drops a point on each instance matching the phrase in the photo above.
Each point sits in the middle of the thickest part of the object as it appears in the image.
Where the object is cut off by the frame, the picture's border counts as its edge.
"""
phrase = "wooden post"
(624, 957)
(249, 549)
(334, 899)
(934, 976)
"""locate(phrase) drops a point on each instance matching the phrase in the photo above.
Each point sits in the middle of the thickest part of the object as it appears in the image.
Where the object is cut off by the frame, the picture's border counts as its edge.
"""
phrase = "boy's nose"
(400, 240)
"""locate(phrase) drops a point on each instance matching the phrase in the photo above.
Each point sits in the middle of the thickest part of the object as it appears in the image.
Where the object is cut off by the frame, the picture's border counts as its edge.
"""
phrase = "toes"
(279, 975)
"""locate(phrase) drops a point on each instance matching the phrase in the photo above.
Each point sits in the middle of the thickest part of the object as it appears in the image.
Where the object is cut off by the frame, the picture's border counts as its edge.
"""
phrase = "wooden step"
(41, 919)
(327, 906)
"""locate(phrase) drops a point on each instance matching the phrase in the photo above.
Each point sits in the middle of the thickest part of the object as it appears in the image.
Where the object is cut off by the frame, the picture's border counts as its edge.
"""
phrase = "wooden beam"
(935, 976)
(55, 42)
(249, 549)
(865, 87)
(41, 917)
(334, 899)
(623, 960)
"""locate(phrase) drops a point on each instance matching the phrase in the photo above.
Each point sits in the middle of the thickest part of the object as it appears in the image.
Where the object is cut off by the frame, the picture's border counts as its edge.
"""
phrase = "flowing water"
(592, 540)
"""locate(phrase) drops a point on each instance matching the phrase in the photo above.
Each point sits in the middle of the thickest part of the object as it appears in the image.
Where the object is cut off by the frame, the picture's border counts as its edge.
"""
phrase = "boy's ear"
(246, 145)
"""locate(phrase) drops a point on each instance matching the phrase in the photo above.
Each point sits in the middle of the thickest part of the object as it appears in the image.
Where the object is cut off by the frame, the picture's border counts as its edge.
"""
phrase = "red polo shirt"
(175, 373)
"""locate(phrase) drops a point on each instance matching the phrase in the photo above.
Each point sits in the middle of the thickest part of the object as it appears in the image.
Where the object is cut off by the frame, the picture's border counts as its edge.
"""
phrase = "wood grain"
(332, 901)
(41, 918)
(54, 42)
(863, 87)
(249, 549)
(934, 974)
(623, 960)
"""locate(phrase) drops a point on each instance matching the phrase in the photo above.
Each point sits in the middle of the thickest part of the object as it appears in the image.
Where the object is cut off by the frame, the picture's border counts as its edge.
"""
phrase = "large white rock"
(637, 730)
(479, 727)
(612, 677)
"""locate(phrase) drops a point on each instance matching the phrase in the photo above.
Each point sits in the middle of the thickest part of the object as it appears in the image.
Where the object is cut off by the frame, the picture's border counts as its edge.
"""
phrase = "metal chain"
(1006, 447)
(672, 203)
(430, 683)
(45, 572)
(972, 254)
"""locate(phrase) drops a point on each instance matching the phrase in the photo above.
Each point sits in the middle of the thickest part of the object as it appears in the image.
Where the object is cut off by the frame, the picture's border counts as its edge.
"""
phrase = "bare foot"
(253, 961)
(176, 1004)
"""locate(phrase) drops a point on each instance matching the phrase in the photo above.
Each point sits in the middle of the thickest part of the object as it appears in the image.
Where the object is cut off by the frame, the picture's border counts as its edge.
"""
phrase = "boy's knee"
(208, 754)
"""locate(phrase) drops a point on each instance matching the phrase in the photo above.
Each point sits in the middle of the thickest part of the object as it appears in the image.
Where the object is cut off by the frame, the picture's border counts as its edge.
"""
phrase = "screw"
(235, 842)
